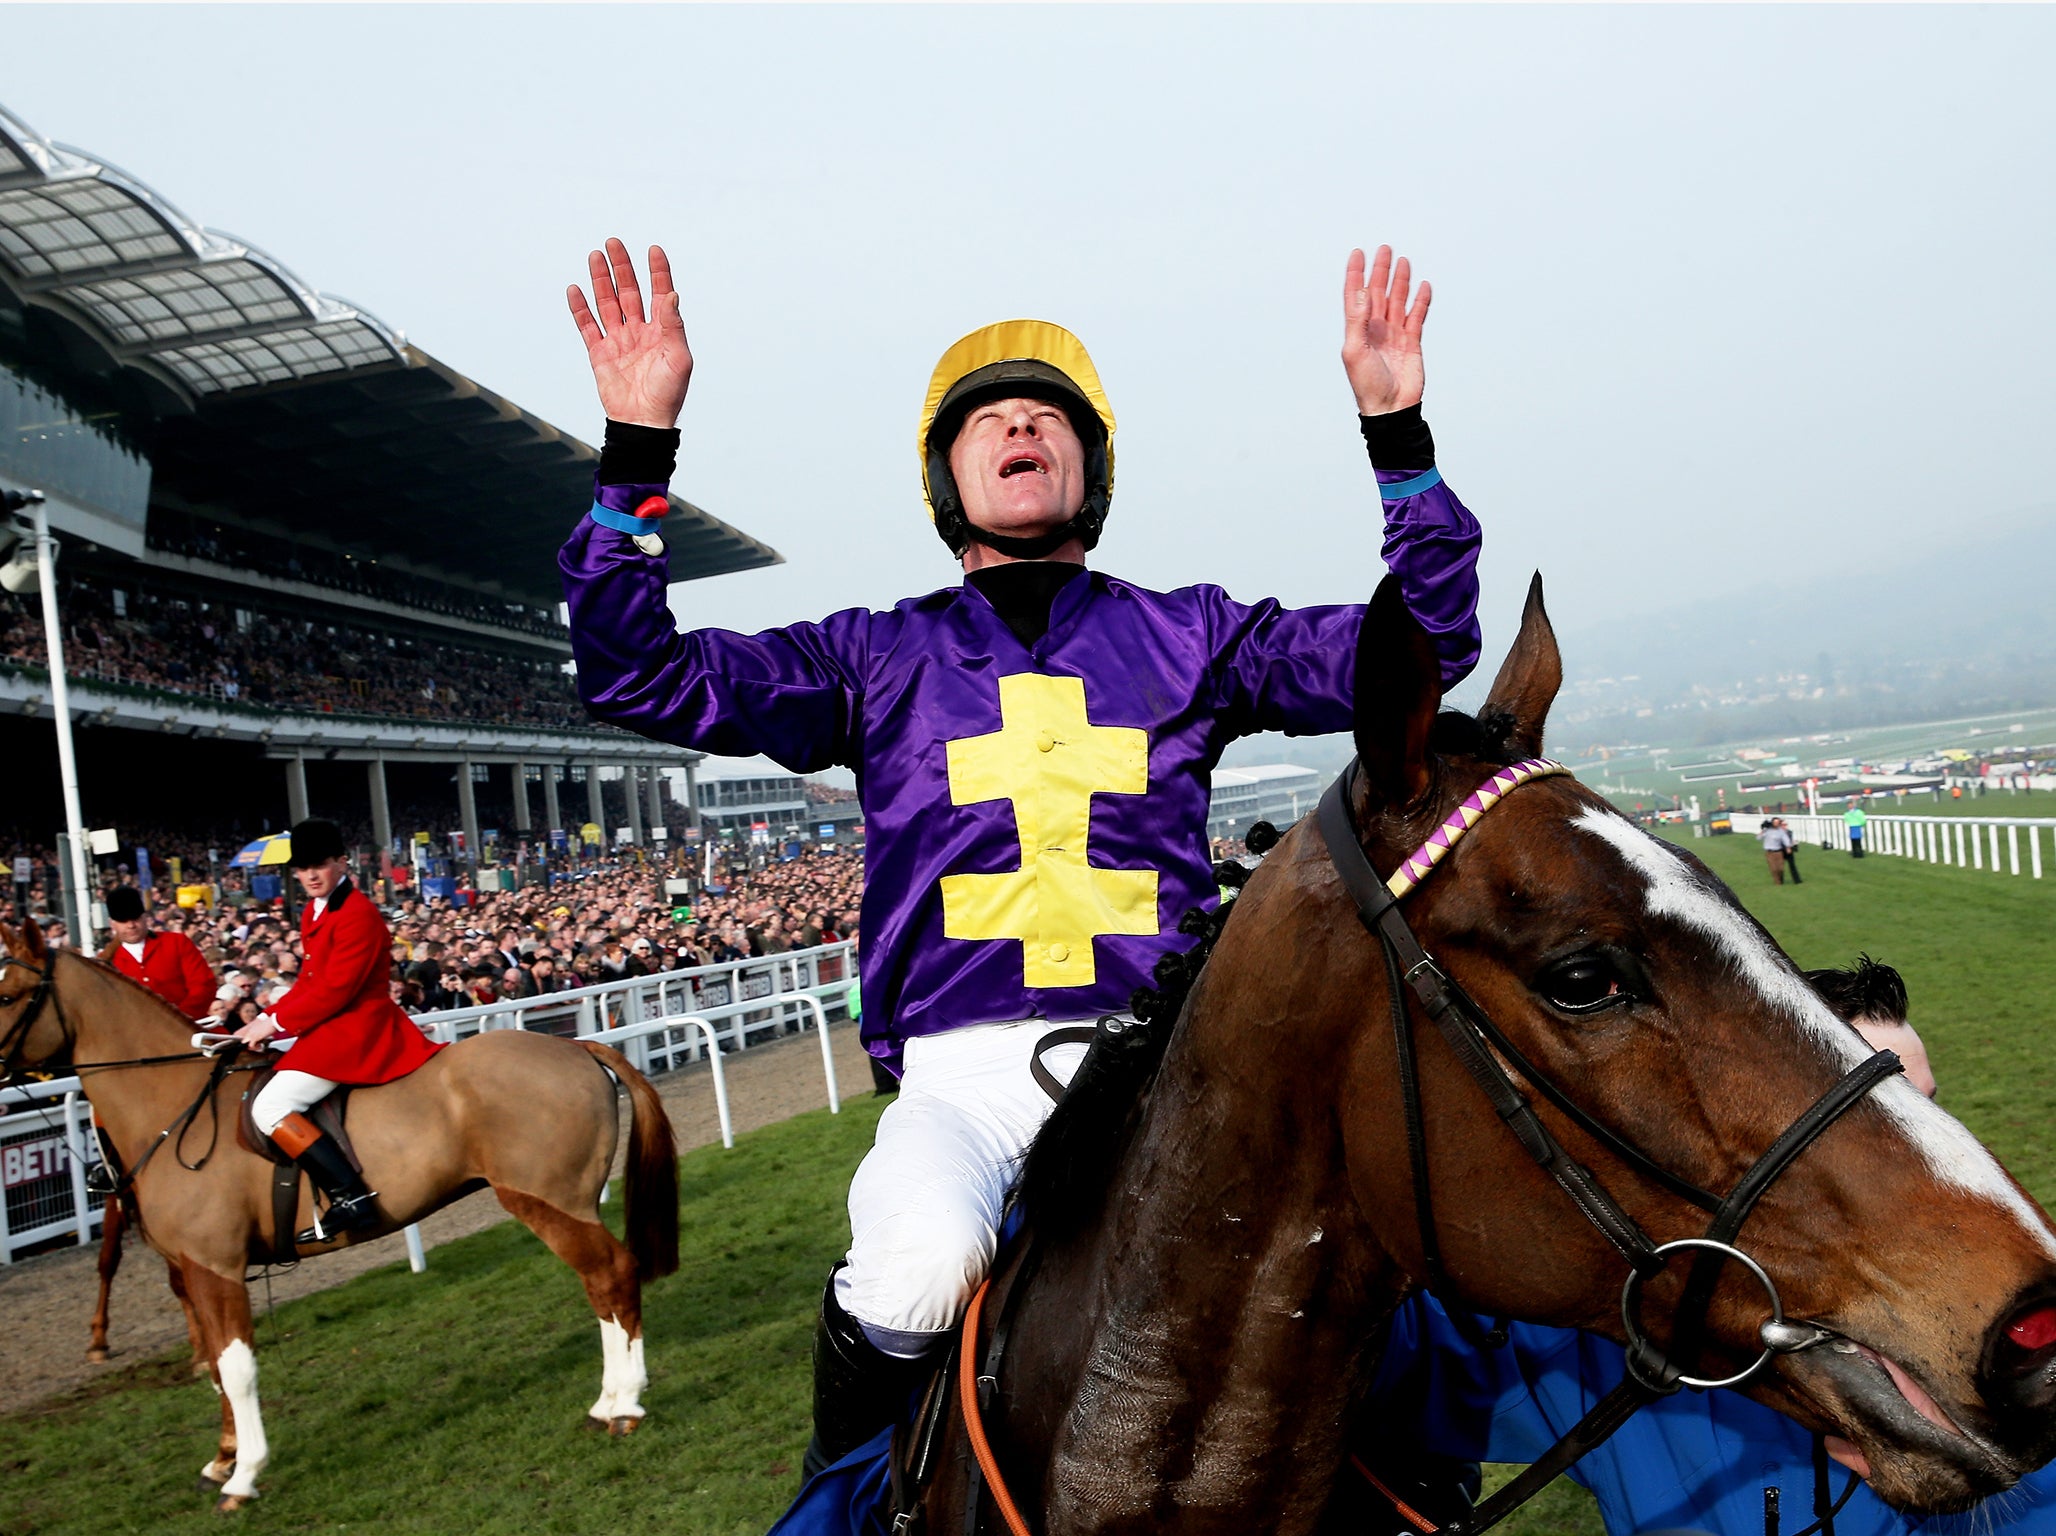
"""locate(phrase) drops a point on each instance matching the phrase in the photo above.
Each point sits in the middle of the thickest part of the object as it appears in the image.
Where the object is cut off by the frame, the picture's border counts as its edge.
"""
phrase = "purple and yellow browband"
(1416, 866)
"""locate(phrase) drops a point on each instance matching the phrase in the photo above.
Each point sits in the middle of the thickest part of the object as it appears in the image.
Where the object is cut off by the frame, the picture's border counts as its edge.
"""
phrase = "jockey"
(341, 1023)
(167, 963)
(1032, 747)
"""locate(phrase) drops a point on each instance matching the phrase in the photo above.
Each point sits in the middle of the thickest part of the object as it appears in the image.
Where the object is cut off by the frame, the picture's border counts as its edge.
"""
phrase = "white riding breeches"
(926, 1203)
(288, 1093)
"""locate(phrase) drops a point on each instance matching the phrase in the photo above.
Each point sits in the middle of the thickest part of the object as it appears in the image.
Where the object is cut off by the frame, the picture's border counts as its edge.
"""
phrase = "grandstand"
(306, 567)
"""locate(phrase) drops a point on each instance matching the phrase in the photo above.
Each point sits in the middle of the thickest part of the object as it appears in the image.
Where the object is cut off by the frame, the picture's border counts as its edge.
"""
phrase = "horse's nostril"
(2033, 1331)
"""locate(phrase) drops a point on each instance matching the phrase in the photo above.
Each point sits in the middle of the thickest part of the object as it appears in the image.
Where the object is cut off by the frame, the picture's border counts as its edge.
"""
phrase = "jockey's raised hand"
(641, 365)
(1381, 336)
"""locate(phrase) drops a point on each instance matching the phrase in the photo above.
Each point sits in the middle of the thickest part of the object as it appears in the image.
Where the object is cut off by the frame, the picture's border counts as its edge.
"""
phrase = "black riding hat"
(124, 904)
(316, 841)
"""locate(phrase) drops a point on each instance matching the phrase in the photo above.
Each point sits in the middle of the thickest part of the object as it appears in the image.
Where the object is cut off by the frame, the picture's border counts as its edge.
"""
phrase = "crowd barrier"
(1967, 842)
(660, 1023)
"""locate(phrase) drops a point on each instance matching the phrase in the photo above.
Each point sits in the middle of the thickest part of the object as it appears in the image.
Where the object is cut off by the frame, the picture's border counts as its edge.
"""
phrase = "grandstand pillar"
(656, 788)
(631, 792)
(296, 789)
(551, 813)
(467, 809)
(381, 812)
(595, 803)
(521, 821)
(692, 794)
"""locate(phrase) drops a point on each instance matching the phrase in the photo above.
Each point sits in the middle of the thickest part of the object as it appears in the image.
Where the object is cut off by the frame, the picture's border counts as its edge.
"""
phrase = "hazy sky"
(1708, 282)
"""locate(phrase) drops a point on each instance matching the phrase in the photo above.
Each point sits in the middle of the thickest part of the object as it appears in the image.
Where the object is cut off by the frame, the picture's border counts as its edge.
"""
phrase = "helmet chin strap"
(1039, 547)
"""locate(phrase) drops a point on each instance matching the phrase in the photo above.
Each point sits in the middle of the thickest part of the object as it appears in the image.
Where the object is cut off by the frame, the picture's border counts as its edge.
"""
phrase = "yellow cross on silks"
(1050, 761)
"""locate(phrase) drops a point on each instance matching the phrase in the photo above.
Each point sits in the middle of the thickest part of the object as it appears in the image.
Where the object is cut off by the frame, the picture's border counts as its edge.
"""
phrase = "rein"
(17, 1038)
(1474, 1039)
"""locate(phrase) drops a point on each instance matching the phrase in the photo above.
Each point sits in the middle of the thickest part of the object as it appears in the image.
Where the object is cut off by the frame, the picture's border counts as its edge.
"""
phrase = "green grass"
(450, 1401)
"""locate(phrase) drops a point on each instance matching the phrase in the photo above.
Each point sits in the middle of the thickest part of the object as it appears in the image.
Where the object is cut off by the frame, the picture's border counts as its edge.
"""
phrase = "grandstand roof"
(282, 398)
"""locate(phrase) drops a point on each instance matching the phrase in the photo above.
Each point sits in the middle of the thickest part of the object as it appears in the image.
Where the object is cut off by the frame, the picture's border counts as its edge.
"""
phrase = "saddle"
(327, 1115)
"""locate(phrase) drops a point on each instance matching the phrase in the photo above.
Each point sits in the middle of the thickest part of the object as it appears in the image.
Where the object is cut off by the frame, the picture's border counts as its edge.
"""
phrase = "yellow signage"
(589, 834)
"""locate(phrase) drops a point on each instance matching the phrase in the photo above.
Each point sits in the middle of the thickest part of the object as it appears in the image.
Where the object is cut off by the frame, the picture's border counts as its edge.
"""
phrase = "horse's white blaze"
(1676, 890)
(622, 1377)
(237, 1368)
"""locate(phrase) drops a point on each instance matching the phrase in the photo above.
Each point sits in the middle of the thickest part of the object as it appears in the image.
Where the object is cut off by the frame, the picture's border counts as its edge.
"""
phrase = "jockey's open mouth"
(1021, 463)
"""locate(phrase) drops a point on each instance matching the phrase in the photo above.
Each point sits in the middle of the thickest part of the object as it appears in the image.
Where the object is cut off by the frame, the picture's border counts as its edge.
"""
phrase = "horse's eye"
(1582, 984)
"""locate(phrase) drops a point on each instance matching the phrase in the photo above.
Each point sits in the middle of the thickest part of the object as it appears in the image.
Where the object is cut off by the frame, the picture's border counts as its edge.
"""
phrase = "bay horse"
(1224, 1212)
(532, 1117)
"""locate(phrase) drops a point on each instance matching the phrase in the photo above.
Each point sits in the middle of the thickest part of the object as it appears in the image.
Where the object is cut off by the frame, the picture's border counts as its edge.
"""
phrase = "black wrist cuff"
(633, 455)
(1397, 440)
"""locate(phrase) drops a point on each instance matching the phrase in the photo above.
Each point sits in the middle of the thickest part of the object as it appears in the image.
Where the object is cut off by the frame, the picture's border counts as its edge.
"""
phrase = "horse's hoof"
(231, 1502)
(592, 1421)
(622, 1426)
(97, 1355)
(214, 1474)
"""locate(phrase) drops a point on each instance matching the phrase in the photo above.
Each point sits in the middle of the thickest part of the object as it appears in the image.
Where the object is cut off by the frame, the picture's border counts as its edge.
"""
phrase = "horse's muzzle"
(1925, 1456)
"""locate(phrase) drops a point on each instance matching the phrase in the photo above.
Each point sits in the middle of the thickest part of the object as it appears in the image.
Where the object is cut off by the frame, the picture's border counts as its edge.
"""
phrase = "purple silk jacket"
(1035, 818)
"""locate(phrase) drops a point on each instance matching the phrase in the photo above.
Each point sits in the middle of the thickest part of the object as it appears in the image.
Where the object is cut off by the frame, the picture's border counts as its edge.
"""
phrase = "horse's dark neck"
(1205, 1343)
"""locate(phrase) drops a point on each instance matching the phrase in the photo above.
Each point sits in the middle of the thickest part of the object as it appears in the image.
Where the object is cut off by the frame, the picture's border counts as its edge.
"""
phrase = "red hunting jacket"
(172, 968)
(340, 1013)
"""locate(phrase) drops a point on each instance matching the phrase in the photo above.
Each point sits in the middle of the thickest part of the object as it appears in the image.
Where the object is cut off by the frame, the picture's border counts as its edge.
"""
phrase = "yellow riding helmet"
(1015, 357)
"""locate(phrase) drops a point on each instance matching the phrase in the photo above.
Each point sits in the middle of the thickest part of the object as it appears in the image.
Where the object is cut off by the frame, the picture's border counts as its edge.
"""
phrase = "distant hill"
(1836, 635)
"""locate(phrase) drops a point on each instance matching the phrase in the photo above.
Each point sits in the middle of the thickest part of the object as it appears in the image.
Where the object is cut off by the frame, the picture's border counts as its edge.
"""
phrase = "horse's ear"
(29, 943)
(1398, 690)
(1529, 677)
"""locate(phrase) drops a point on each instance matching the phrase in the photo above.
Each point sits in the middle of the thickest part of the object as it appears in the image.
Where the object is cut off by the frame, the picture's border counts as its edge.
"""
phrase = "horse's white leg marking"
(238, 1368)
(1675, 889)
(622, 1377)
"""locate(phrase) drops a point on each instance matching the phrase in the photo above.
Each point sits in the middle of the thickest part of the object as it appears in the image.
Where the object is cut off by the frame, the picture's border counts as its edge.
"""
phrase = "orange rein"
(974, 1423)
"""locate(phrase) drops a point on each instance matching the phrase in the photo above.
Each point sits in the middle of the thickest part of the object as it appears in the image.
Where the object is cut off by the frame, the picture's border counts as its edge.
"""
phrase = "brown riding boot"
(349, 1202)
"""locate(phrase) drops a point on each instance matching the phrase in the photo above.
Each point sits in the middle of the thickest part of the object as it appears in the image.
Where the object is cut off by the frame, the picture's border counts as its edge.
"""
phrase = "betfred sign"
(24, 1162)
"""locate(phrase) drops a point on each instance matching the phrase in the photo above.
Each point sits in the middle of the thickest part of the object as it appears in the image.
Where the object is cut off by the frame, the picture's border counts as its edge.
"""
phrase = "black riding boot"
(858, 1388)
(349, 1202)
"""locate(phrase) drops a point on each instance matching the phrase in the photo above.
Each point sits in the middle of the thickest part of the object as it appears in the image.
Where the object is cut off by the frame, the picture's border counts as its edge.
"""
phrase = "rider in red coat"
(166, 963)
(342, 1022)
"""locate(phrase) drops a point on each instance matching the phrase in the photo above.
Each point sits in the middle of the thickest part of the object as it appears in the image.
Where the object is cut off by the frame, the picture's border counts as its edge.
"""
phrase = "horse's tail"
(650, 1201)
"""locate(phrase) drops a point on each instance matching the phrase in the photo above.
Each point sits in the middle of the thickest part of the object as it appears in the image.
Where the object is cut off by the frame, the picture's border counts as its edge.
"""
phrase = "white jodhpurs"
(288, 1093)
(926, 1203)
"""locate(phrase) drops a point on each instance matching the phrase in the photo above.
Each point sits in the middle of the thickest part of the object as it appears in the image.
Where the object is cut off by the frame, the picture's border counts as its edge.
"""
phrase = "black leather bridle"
(17, 1037)
(15, 1043)
(1481, 1046)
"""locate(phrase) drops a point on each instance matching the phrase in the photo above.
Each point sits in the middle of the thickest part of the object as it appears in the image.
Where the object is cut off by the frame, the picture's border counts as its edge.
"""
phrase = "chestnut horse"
(533, 1117)
(1213, 1265)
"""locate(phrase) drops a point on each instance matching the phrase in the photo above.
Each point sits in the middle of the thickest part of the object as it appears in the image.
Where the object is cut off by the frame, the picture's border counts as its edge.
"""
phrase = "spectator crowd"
(201, 538)
(240, 655)
(599, 925)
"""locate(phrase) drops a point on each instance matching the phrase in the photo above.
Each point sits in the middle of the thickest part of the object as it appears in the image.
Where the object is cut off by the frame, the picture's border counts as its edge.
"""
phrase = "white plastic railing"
(826, 968)
(1967, 842)
(48, 1159)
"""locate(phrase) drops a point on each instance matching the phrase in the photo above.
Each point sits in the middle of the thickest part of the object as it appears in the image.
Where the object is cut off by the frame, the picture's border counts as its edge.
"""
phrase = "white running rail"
(1967, 842)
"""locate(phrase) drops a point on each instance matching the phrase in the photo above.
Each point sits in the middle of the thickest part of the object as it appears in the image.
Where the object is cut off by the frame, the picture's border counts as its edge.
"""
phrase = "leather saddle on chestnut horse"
(327, 1115)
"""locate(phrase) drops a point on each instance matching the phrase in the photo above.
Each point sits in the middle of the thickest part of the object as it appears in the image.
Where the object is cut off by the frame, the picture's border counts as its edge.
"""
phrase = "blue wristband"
(1399, 490)
(626, 522)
